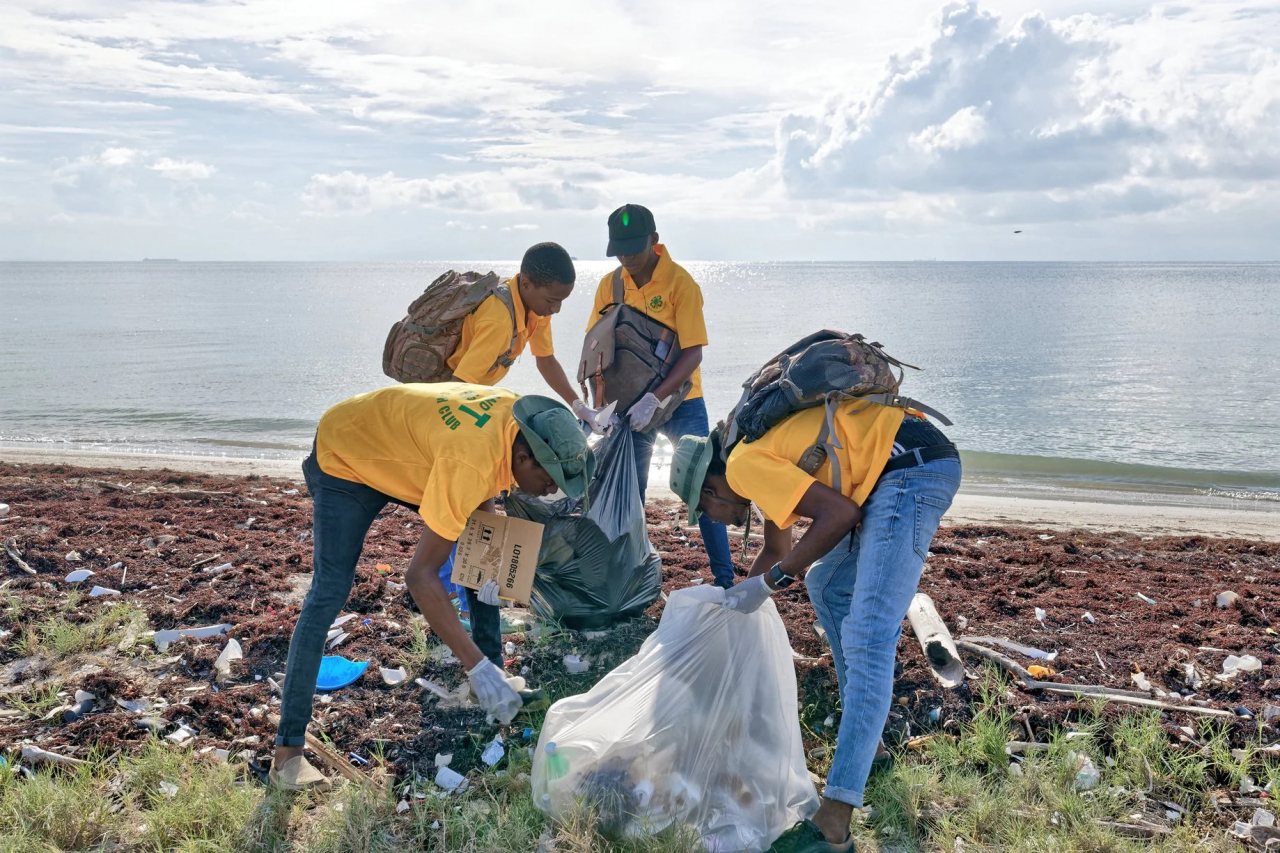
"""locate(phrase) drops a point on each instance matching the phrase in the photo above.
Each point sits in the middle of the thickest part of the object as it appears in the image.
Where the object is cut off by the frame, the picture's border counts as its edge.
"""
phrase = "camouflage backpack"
(418, 347)
(822, 369)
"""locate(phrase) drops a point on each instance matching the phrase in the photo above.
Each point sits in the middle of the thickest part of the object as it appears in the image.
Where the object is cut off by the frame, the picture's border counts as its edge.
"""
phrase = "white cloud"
(182, 170)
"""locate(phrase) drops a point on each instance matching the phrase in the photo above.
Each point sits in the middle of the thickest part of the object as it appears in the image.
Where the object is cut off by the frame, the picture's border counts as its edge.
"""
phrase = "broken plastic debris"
(247, 524)
(1041, 615)
(402, 807)
(232, 652)
(79, 575)
(169, 789)
(164, 638)
(1029, 651)
(182, 735)
(1087, 775)
(449, 779)
(289, 492)
(392, 677)
(1233, 665)
(35, 755)
(338, 640)
(344, 619)
(443, 759)
(494, 752)
(509, 648)
(398, 587)
(1044, 537)
(1145, 598)
(962, 622)
(1088, 617)
(1038, 671)
(73, 557)
(4, 509)
(99, 591)
(208, 570)
(1262, 817)
(1141, 682)
(576, 665)
(1226, 599)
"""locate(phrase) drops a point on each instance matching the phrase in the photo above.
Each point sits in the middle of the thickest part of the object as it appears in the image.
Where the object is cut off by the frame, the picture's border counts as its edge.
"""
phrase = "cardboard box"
(501, 548)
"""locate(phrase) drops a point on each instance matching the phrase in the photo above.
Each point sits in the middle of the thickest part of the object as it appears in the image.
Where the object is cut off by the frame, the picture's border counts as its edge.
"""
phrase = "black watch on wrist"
(777, 578)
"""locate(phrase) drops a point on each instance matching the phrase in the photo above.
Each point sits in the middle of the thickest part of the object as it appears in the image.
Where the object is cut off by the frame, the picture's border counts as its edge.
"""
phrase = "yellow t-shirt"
(671, 297)
(445, 447)
(486, 334)
(766, 472)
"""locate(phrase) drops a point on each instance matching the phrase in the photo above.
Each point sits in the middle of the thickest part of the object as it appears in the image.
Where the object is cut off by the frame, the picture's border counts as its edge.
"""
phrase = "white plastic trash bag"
(700, 728)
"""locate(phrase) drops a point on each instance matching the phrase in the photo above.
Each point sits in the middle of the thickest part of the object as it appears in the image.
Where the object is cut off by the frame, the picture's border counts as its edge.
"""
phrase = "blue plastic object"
(336, 671)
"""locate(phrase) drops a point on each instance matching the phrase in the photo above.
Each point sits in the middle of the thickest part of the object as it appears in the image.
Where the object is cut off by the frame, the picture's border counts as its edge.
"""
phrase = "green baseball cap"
(557, 442)
(689, 467)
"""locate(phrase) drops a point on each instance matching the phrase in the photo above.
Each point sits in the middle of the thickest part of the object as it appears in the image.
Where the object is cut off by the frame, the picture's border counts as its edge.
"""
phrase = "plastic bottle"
(557, 762)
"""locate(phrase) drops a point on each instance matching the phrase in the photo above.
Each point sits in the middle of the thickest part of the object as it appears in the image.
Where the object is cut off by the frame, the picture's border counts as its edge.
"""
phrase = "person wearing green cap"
(446, 450)
(864, 552)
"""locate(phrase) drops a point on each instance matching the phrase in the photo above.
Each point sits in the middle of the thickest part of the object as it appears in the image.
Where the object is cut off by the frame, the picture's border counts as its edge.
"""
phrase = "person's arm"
(553, 373)
(834, 516)
(684, 367)
(423, 579)
(777, 544)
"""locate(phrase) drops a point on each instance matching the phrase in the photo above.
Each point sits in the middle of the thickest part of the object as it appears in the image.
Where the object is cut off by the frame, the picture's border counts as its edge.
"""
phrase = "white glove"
(488, 594)
(493, 692)
(587, 415)
(747, 596)
(641, 414)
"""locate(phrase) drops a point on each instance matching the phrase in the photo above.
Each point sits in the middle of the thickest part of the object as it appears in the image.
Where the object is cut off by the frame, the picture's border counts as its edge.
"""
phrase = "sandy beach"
(1132, 512)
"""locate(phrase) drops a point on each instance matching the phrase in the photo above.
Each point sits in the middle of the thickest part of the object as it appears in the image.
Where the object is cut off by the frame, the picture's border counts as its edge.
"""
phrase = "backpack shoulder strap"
(504, 296)
(619, 288)
(826, 446)
(908, 403)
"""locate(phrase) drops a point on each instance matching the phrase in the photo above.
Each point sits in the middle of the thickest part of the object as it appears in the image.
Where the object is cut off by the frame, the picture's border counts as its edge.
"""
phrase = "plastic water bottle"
(557, 762)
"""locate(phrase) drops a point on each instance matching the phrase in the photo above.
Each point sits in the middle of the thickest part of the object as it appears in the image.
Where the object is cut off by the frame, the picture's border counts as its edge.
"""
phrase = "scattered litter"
(232, 652)
(74, 557)
(83, 705)
(1041, 615)
(164, 638)
(182, 735)
(494, 752)
(1101, 663)
(289, 492)
(397, 587)
(247, 524)
(208, 570)
(392, 677)
(1270, 713)
(402, 806)
(1226, 599)
(339, 639)
(36, 755)
(510, 648)
(1141, 682)
(1087, 775)
(1088, 617)
(829, 721)
(4, 509)
(450, 779)
(1242, 711)
(962, 622)
(443, 759)
(1233, 665)
(1028, 651)
(79, 575)
(1044, 537)
(1145, 598)
(383, 568)
(1262, 817)
(363, 762)
(344, 619)
(576, 665)
(99, 591)
(337, 672)
(169, 789)
(1038, 671)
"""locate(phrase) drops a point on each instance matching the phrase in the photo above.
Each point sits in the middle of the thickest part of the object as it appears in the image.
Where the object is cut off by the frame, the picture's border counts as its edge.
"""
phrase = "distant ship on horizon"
(159, 260)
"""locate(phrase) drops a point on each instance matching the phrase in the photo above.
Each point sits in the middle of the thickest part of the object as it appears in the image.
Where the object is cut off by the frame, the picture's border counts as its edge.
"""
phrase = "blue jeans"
(689, 419)
(861, 591)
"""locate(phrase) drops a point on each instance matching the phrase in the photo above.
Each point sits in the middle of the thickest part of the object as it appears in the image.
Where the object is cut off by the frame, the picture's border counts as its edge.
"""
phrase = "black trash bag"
(597, 569)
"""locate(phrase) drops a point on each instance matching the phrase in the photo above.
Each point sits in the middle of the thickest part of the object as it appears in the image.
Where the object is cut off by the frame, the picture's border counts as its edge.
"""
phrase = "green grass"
(415, 655)
(60, 637)
(39, 700)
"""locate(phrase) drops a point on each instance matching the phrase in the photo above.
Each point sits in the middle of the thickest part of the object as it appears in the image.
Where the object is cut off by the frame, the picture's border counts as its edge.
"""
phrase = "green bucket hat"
(689, 466)
(557, 442)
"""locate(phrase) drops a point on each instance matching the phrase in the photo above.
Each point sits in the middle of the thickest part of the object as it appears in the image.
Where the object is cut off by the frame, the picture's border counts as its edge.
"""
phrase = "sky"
(823, 130)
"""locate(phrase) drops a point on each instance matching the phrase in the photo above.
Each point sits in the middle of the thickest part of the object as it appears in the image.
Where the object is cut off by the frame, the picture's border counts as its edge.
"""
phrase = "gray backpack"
(626, 355)
(418, 347)
(822, 369)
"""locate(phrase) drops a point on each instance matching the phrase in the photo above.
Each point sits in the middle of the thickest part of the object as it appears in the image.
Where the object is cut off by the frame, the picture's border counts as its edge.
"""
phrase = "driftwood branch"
(11, 549)
(936, 642)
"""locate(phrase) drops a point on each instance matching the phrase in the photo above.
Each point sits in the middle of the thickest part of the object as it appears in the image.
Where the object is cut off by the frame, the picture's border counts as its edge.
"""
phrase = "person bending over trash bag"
(446, 449)
(864, 551)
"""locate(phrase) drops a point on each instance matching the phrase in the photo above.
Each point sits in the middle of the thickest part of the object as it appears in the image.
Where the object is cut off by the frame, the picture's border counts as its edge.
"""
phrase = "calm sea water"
(1123, 372)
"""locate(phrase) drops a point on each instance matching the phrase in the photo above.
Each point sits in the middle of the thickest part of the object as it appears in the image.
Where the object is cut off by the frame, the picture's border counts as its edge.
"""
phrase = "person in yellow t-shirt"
(864, 551)
(658, 286)
(445, 449)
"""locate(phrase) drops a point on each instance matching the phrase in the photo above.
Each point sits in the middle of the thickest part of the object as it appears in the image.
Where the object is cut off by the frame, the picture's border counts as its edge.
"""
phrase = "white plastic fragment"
(163, 639)
(443, 759)
(74, 557)
(36, 755)
(1041, 615)
(397, 587)
(576, 665)
(99, 591)
(230, 653)
(136, 706)
(450, 779)
(338, 640)
(1087, 775)
(79, 575)
(1226, 599)
(1140, 681)
(1044, 537)
(494, 752)
(1234, 665)
(1262, 817)
(169, 789)
(392, 677)
(4, 509)
(181, 735)
(344, 619)
(289, 492)
(1088, 617)
(509, 648)
(208, 570)
(1029, 651)
(402, 806)
(962, 622)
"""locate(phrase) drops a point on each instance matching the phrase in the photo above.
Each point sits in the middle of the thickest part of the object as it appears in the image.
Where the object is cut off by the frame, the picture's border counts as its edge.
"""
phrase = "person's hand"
(488, 594)
(494, 693)
(587, 415)
(747, 596)
(641, 414)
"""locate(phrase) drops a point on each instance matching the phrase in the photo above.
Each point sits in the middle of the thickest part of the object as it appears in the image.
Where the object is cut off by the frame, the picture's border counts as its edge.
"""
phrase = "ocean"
(1129, 377)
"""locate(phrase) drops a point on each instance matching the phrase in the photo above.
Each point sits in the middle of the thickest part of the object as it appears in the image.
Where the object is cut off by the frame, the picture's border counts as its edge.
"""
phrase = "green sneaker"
(805, 837)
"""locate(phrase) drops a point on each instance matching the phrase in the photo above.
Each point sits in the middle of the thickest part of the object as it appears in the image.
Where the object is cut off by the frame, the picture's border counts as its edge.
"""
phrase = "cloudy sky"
(829, 129)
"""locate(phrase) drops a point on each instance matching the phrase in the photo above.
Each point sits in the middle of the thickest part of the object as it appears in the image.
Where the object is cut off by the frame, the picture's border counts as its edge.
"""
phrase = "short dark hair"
(716, 466)
(546, 264)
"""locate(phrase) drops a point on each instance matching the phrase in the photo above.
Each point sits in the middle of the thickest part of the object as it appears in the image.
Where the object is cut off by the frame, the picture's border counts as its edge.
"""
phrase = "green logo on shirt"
(656, 303)
(451, 420)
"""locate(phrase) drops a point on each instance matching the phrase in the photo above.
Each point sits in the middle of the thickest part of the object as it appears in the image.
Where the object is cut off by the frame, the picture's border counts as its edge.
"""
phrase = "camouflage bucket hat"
(557, 442)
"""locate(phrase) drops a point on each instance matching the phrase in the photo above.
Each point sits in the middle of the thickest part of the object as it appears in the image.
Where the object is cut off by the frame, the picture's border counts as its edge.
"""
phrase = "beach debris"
(79, 575)
(1041, 615)
(4, 510)
(1242, 711)
(1234, 665)
(288, 491)
(443, 759)
(1270, 713)
(936, 642)
(1087, 774)
(1226, 599)
(163, 639)
(99, 591)
(1141, 682)
(84, 702)
(1044, 537)
(14, 553)
(33, 754)
(397, 587)
(135, 706)
(338, 640)
(962, 622)
(575, 665)
(1148, 599)
(342, 620)
(169, 789)
(1041, 671)
(231, 652)
(1026, 651)
(459, 698)
(494, 752)
(74, 557)
(1088, 617)
(209, 570)
(392, 677)
(246, 525)
(403, 805)
(450, 780)
(181, 735)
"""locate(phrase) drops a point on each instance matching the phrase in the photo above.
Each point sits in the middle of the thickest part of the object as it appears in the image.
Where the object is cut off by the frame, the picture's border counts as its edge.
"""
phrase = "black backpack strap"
(619, 288)
(908, 403)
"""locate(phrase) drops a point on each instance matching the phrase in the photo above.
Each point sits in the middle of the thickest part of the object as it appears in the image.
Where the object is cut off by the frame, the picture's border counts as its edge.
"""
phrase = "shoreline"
(1142, 513)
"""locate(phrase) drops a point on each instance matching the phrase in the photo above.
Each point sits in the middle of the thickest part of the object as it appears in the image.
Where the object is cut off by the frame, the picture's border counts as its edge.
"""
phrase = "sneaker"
(297, 774)
(883, 762)
(805, 837)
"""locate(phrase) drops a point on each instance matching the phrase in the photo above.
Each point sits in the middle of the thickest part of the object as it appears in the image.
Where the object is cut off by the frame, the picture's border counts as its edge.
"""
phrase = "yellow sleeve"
(769, 481)
(454, 491)
(691, 326)
(604, 294)
(540, 343)
(489, 340)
